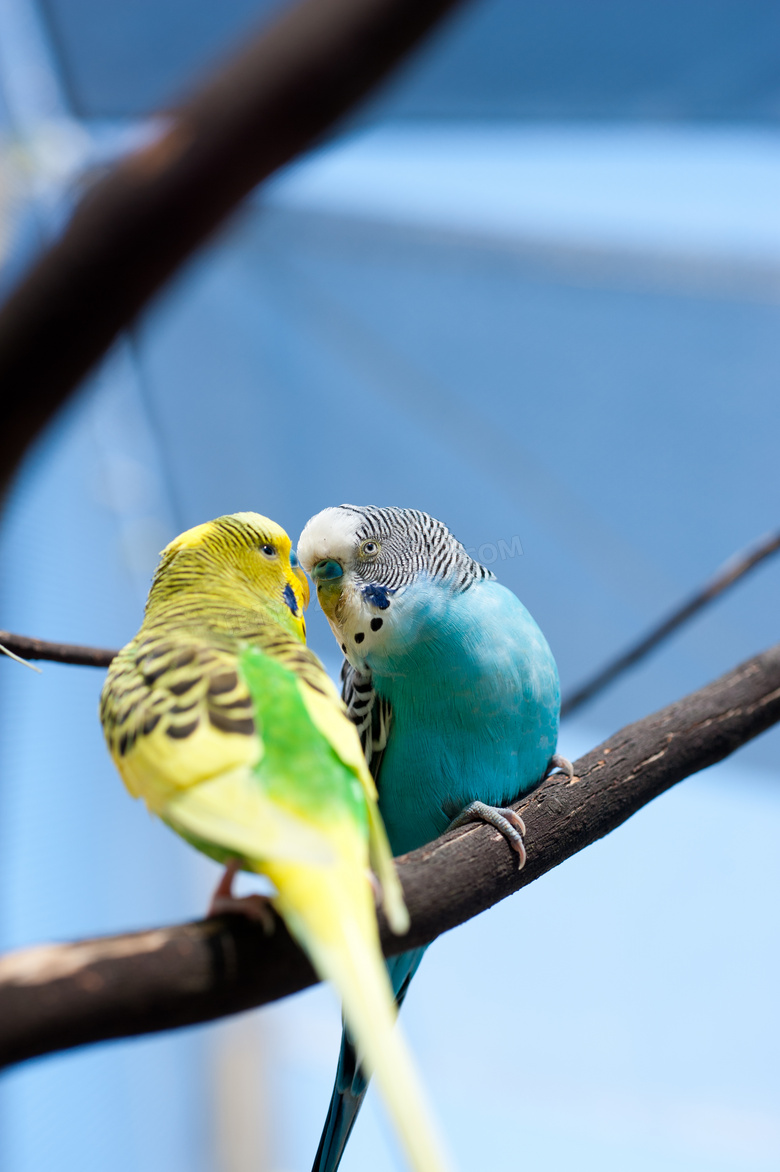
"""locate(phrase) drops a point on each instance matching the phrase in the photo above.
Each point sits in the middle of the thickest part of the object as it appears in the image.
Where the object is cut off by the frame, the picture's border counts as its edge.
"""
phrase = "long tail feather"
(347, 1099)
(331, 913)
(351, 1083)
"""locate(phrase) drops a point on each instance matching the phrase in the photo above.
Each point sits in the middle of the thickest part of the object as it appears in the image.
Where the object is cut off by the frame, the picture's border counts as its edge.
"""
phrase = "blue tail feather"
(351, 1083)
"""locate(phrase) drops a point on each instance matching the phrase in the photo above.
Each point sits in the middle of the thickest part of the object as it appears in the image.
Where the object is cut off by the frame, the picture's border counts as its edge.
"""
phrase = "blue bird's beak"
(327, 570)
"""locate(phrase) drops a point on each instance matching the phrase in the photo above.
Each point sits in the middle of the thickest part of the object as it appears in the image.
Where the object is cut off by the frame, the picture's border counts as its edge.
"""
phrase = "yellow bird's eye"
(268, 550)
(370, 548)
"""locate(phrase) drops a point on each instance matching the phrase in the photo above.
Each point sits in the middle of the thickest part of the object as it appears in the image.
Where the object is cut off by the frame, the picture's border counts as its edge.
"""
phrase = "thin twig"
(136, 226)
(26, 648)
(64, 995)
(18, 658)
(731, 572)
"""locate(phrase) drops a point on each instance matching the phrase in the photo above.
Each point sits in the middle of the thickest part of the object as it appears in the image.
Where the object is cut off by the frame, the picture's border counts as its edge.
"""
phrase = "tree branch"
(730, 573)
(59, 996)
(29, 648)
(135, 227)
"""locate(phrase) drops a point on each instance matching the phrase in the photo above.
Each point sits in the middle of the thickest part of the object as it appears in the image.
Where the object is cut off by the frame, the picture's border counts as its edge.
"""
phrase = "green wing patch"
(300, 768)
(298, 801)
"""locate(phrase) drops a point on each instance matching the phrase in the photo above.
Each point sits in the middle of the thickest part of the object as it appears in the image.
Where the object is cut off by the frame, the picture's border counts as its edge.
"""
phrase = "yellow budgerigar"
(220, 718)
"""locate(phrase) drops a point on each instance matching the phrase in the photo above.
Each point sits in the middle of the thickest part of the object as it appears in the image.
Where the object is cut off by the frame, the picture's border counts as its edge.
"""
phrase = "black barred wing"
(173, 685)
(173, 694)
(369, 712)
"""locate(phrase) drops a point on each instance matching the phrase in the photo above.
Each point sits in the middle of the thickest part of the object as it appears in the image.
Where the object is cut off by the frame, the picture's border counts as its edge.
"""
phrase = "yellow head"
(243, 560)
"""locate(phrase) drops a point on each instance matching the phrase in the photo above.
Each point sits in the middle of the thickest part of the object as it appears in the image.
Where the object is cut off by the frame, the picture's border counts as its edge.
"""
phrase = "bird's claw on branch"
(503, 818)
(255, 907)
(561, 763)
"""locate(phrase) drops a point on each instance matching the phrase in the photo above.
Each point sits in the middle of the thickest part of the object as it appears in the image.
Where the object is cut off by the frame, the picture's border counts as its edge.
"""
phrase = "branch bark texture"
(65, 995)
(136, 226)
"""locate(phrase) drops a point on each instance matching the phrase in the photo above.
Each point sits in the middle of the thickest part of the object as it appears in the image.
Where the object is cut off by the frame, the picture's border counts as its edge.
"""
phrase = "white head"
(363, 561)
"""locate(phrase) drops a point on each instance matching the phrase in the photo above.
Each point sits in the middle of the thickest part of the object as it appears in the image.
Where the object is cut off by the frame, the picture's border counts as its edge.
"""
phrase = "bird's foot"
(254, 907)
(506, 821)
(562, 763)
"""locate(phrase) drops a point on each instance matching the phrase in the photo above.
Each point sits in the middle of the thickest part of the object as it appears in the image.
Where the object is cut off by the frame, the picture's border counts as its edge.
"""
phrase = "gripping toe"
(505, 820)
(562, 763)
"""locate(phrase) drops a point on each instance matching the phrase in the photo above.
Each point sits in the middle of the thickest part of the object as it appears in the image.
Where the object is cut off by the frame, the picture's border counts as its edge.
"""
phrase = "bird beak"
(328, 575)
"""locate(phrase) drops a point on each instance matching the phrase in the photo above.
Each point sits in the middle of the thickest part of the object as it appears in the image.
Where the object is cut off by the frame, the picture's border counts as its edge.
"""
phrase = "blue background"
(532, 287)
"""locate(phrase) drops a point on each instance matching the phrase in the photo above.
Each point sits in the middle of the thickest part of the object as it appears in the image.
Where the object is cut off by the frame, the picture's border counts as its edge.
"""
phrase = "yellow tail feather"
(330, 912)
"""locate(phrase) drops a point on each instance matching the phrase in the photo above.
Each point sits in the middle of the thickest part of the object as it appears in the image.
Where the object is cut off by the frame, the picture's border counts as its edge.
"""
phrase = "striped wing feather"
(176, 712)
(370, 714)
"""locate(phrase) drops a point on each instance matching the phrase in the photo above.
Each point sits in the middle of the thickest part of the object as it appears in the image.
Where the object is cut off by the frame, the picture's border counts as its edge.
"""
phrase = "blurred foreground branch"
(134, 228)
(59, 996)
(730, 572)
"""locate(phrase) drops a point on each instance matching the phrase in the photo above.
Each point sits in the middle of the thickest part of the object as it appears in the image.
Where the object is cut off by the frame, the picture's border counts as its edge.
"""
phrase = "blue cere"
(327, 570)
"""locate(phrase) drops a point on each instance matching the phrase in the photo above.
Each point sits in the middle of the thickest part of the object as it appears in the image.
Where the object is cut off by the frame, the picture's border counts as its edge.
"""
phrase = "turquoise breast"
(475, 702)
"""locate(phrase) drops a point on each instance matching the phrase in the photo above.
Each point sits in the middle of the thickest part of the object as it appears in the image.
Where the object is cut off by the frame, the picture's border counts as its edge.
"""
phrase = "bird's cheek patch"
(378, 596)
(289, 597)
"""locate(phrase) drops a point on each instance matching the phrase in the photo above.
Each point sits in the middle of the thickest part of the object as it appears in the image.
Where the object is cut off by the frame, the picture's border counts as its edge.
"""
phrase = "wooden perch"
(63, 995)
(136, 226)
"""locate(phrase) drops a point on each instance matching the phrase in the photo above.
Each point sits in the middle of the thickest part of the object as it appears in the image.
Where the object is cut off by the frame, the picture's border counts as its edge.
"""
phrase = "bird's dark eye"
(269, 550)
(369, 548)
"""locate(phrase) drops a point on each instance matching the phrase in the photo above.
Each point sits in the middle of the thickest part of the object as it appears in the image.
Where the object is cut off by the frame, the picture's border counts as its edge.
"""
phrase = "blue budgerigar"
(454, 690)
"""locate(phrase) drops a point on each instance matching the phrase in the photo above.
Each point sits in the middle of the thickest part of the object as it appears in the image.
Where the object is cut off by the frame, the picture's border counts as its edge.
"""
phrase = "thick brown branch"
(137, 225)
(730, 573)
(66, 995)
(56, 652)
